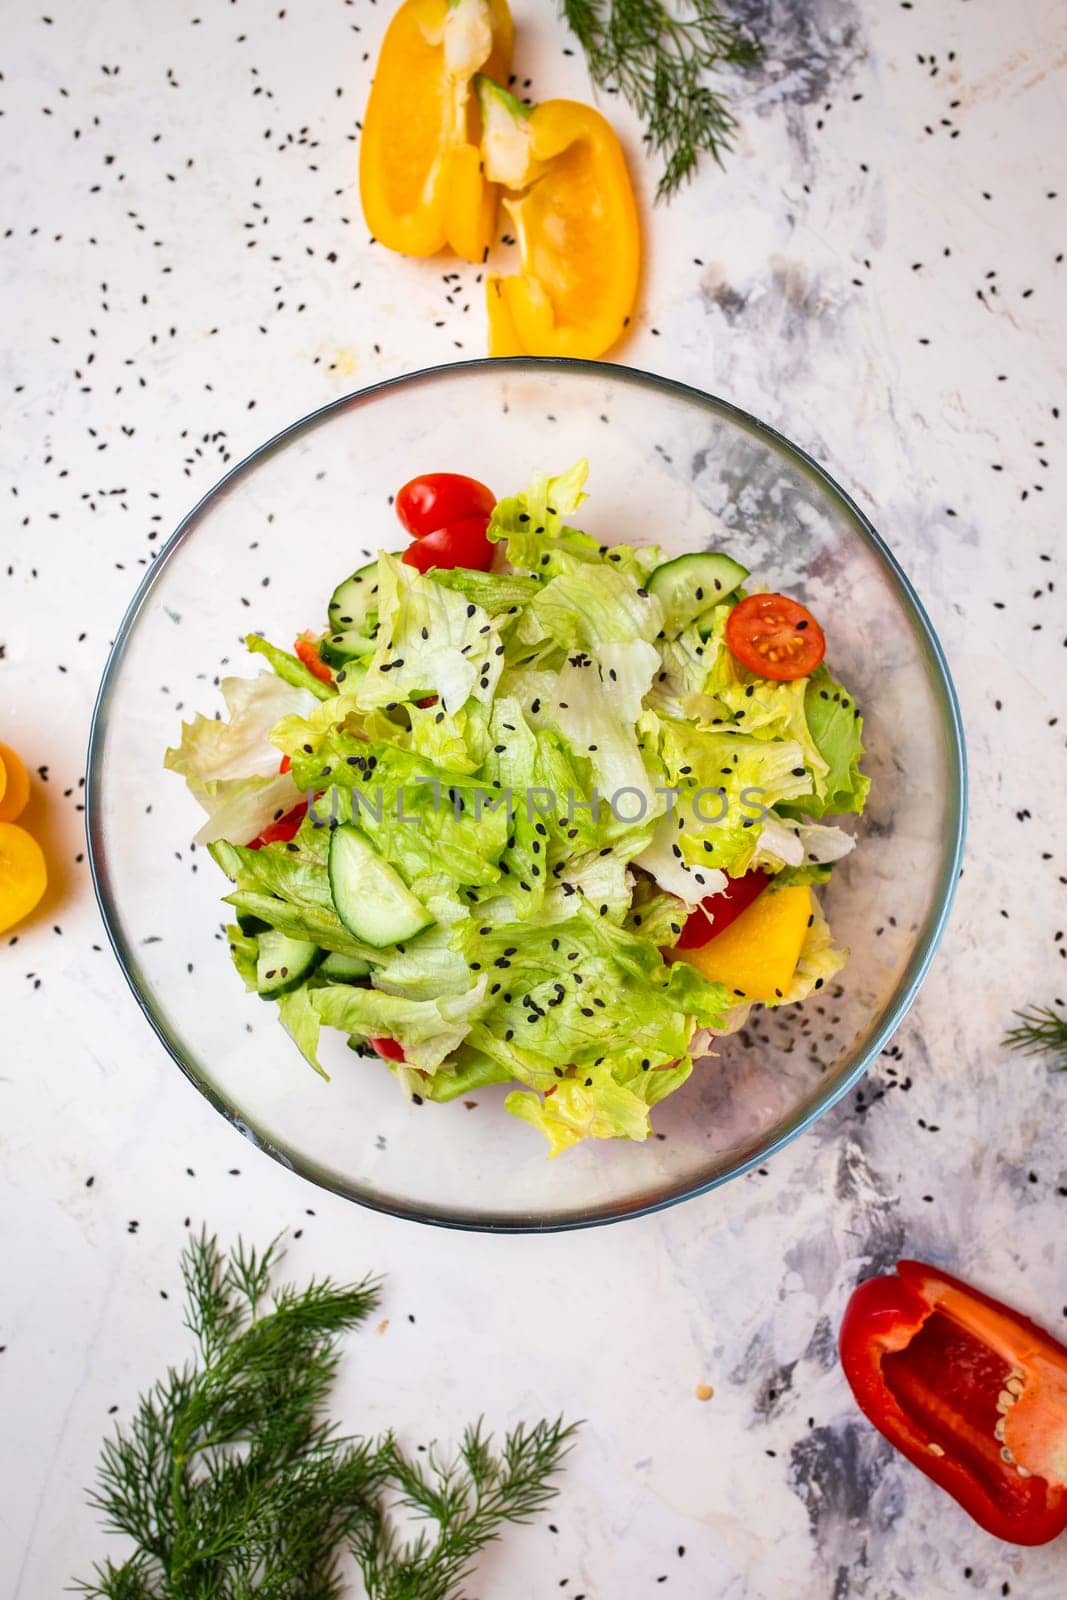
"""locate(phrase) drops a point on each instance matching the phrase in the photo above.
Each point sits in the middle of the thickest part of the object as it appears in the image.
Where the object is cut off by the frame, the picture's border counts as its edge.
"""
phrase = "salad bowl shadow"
(668, 464)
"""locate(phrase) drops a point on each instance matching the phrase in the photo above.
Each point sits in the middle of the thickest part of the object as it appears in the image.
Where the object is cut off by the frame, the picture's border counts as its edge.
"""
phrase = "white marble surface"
(185, 269)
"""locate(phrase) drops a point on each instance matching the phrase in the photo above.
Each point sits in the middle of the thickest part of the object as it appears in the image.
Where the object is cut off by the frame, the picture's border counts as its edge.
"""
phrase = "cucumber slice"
(690, 585)
(343, 969)
(372, 901)
(283, 963)
(355, 601)
(338, 649)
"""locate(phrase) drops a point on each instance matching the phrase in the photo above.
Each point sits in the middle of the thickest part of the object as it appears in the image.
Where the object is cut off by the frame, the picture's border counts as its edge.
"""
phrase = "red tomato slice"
(388, 1048)
(775, 637)
(717, 912)
(461, 544)
(283, 830)
(307, 648)
(435, 499)
(284, 765)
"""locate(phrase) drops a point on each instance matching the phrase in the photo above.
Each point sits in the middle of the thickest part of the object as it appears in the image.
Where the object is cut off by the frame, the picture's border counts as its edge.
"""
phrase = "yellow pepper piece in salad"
(569, 195)
(757, 955)
(420, 170)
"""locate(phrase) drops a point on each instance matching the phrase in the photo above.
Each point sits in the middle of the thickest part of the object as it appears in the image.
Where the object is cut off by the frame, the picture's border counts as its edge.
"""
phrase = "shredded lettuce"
(428, 1030)
(837, 729)
(289, 668)
(724, 783)
(302, 1023)
(537, 540)
(230, 765)
(431, 640)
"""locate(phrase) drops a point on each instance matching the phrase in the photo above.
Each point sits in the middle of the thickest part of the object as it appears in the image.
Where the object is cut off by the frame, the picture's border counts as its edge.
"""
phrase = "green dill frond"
(467, 1498)
(659, 58)
(1040, 1031)
(232, 1482)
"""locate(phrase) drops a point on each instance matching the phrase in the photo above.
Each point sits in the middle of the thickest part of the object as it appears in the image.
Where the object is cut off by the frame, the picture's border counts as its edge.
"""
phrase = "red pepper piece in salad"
(717, 912)
(387, 1048)
(307, 648)
(971, 1391)
(283, 830)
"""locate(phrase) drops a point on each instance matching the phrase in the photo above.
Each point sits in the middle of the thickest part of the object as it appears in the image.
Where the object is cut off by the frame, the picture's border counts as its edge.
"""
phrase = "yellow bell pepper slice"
(420, 172)
(23, 874)
(572, 204)
(14, 785)
(757, 955)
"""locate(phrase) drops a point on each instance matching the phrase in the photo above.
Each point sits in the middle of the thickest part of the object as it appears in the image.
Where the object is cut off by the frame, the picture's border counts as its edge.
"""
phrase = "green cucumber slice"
(690, 585)
(343, 969)
(283, 963)
(355, 601)
(373, 902)
(338, 649)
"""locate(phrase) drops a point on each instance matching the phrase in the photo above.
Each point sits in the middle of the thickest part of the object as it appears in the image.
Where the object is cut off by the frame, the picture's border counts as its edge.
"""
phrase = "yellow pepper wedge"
(420, 169)
(23, 874)
(14, 784)
(572, 204)
(757, 955)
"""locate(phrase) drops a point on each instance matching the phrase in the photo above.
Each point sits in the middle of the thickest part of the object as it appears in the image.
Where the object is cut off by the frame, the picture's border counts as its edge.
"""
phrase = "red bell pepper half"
(969, 1390)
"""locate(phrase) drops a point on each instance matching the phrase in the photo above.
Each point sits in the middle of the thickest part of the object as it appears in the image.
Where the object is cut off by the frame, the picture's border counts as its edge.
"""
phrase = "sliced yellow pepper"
(572, 204)
(14, 784)
(420, 169)
(23, 874)
(757, 955)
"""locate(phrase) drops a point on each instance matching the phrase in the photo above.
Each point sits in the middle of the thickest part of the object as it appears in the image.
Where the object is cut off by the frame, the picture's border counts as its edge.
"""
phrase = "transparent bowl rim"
(921, 957)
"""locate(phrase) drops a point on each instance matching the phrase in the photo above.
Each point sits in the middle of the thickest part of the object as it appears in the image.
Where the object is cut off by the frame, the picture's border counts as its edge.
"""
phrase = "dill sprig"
(658, 57)
(1040, 1031)
(231, 1482)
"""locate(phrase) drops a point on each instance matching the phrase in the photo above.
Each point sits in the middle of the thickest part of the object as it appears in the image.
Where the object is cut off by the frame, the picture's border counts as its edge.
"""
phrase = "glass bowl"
(263, 551)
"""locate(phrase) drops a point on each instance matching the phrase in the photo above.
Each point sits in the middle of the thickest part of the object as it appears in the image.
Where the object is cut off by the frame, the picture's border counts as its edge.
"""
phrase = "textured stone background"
(878, 272)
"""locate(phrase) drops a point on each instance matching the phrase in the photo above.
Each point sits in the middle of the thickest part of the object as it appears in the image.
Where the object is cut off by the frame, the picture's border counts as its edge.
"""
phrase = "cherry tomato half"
(388, 1049)
(460, 544)
(775, 637)
(307, 649)
(436, 499)
(716, 913)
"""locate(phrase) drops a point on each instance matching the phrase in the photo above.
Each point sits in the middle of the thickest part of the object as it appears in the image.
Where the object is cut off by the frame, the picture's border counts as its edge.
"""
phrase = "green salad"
(552, 818)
